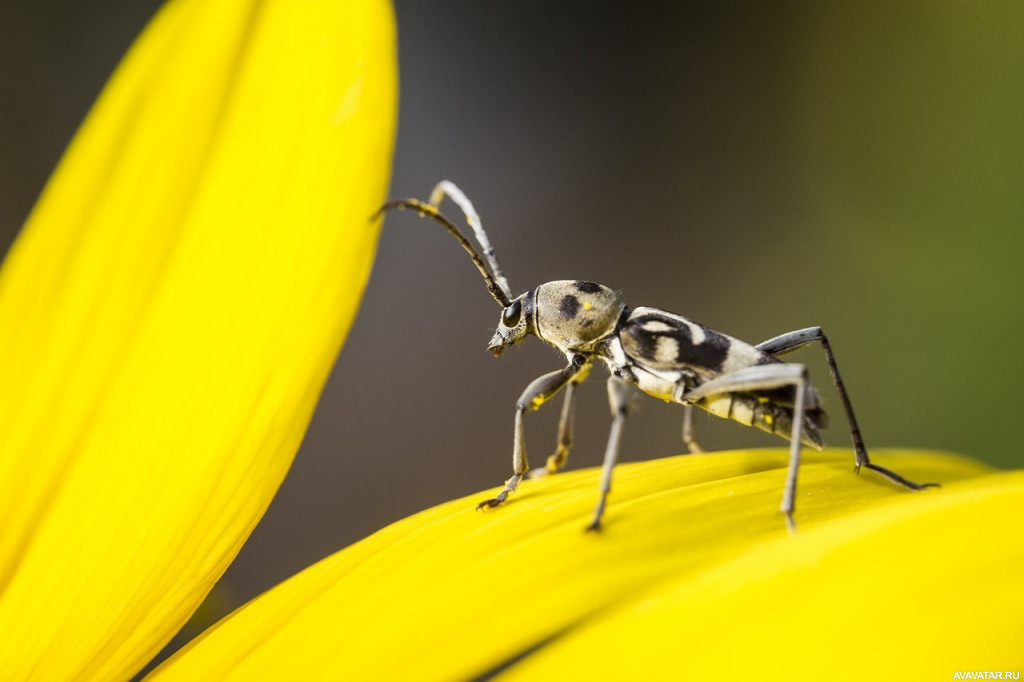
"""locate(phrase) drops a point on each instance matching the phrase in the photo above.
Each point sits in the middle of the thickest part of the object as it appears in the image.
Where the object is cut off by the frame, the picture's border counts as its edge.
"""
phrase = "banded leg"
(787, 343)
(618, 399)
(765, 378)
(557, 460)
(691, 443)
(536, 394)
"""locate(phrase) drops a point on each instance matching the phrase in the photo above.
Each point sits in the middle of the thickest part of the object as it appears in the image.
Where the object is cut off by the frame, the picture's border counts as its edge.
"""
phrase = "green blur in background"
(914, 120)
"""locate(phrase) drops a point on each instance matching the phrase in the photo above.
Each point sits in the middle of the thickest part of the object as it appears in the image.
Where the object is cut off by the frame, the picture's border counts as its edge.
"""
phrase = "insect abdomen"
(762, 413)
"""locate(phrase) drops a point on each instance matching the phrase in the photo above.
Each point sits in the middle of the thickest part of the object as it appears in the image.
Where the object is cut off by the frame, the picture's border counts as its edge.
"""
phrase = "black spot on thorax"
(569, 306)
(588, 287)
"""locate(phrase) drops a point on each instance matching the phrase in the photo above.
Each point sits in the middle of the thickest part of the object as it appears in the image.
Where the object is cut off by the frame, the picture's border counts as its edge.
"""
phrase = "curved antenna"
(447, 187)
(499, 293)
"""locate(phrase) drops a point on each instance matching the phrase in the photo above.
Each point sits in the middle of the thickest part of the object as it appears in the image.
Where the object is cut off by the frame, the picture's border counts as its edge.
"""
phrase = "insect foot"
(790, 523)
(894, 477)
(554, 464)
(539, 472)
(510, 487)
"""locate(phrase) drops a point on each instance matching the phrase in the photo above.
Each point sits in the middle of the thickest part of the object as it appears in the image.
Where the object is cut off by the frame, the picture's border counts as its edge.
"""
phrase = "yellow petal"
(452, 593)
(171, 311)
(908, 592)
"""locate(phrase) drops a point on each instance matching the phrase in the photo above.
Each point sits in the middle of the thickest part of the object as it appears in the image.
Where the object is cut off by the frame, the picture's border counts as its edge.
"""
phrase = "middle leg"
(556, 461)
(618, 399)
(688, 438)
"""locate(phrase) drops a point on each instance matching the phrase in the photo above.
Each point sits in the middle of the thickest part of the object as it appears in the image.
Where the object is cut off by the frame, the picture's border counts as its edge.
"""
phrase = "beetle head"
(515, 324)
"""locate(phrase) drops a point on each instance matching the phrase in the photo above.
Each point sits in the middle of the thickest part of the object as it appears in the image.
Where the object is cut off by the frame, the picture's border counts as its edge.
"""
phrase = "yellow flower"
(170, 313)
(694, 576)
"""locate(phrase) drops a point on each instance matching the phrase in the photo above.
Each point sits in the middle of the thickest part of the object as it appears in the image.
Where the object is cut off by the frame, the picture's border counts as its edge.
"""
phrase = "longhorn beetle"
(663, 354)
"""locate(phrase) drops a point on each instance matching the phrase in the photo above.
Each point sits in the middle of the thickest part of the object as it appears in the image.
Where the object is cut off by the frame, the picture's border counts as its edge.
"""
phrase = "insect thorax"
(575, 315)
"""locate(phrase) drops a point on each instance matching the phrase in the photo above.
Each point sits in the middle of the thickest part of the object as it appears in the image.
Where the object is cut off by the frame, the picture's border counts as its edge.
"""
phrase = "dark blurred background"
(757, 167)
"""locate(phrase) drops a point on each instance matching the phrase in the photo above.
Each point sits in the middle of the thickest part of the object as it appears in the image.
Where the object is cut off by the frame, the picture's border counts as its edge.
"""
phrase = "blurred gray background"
(757, 167)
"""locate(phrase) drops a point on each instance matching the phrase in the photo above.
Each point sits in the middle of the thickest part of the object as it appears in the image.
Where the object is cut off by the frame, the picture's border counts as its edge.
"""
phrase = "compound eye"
(510, 317)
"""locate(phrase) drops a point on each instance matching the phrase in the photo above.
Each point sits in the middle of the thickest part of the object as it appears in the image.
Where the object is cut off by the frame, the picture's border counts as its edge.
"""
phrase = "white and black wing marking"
(671, 355)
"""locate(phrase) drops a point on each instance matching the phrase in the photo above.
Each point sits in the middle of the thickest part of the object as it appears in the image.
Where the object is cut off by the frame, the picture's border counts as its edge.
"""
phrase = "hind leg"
(787, 343)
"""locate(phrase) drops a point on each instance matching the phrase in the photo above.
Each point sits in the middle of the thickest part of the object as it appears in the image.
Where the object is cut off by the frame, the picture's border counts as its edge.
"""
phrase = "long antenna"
(447, 187)
(501, 294)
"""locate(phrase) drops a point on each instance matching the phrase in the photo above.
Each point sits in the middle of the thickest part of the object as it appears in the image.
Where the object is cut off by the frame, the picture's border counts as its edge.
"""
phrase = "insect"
(664, 355)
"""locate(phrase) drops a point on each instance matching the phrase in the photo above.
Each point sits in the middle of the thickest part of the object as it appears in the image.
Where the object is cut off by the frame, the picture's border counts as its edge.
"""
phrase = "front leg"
(536, 394)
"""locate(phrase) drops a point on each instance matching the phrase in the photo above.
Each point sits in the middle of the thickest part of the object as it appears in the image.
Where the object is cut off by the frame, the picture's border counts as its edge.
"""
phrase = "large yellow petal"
(171, 311)
(452, 593)
(908, 592)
